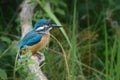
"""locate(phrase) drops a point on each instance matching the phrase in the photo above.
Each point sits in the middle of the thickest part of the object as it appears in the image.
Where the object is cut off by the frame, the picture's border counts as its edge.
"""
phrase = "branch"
(26, 13)
(38, 58)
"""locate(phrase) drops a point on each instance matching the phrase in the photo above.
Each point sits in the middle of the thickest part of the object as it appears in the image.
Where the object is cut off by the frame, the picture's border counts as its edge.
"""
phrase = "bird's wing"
(30, 38)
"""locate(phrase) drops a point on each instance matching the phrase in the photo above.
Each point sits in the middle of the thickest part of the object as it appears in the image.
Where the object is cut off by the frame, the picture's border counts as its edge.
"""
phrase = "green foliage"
(22, 67)
(3, 74)
(59, 11)
(6, 39)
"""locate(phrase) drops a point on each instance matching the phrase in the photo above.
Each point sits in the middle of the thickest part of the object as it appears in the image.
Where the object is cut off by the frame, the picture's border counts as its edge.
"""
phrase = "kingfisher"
(37, 38)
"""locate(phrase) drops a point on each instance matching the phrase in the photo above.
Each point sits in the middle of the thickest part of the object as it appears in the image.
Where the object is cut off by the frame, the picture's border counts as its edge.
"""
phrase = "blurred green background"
(92, 27)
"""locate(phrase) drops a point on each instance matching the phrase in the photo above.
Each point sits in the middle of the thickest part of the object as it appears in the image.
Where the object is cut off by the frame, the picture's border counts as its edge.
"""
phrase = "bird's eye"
(49, 25)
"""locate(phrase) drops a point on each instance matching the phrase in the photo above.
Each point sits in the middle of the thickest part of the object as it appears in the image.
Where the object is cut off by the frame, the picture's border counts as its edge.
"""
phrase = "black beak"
(55, 26)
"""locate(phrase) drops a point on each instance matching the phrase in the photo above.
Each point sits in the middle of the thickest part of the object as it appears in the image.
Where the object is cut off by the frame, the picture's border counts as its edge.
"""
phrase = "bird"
(37, 38)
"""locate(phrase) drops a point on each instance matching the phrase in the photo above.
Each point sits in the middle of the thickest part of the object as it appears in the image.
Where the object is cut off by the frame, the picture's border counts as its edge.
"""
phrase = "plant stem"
(106, 50)
(73, 42)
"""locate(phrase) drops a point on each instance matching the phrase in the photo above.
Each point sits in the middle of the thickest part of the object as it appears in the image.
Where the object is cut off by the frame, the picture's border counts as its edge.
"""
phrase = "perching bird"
(37, 38)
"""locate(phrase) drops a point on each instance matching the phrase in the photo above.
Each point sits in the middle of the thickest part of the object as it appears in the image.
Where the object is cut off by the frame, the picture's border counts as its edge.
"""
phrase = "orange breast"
(41, 44)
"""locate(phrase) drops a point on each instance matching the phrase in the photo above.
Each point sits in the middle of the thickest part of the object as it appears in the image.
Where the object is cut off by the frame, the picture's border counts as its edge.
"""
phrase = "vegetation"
(89, 51)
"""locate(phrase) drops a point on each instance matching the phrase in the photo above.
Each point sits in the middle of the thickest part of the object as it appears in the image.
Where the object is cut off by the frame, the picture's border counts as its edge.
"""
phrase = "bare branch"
(26, 13)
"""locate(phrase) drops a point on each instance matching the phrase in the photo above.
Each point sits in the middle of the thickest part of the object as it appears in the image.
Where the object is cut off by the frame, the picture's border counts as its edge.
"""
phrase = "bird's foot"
(40, 57)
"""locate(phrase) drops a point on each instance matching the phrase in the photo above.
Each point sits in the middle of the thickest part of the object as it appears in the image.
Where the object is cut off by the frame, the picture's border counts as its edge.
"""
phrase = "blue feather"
(30, 39)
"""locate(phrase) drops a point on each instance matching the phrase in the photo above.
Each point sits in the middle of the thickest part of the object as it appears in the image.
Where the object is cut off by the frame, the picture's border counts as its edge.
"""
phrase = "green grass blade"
(73, 42)
(106, 51)
(118, 58)
(112, 57)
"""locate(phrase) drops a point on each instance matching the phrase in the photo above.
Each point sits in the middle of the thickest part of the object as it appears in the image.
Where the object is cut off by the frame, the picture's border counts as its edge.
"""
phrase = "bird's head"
(44, 25)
